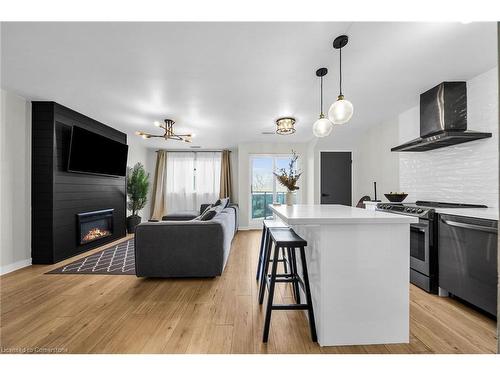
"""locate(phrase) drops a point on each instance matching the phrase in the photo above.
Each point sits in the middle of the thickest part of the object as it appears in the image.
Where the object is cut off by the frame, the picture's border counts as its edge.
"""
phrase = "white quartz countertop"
(489, 213)
(335, 214)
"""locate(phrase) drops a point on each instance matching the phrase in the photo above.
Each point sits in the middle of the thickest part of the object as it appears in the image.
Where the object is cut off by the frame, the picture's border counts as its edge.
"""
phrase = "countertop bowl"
(396, 197)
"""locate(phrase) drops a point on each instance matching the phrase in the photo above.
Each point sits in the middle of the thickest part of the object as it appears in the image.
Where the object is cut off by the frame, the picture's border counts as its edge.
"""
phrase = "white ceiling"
(228, 82)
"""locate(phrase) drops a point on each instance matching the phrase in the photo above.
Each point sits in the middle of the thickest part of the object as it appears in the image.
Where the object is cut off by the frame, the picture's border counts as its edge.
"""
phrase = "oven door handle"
(469, 226)
(419, 229)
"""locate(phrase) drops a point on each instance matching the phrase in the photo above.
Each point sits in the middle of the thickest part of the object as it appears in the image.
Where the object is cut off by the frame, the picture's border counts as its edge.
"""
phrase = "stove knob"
(413, 210)
(420, 211)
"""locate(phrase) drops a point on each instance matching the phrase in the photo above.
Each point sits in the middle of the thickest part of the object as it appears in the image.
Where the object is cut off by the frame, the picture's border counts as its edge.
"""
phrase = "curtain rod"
(193, 150)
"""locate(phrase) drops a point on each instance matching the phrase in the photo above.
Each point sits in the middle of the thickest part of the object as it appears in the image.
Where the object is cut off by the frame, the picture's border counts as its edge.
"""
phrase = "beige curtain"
(225, 176)
(158, 203)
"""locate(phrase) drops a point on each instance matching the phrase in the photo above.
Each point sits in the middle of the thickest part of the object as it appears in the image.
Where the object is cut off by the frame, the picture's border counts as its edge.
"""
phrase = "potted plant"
(289, 178)
(137, 191)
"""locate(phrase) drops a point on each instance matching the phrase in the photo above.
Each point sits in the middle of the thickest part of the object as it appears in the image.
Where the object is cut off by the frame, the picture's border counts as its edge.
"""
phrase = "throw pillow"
(206, 209)
(224, 202)
(209, 214)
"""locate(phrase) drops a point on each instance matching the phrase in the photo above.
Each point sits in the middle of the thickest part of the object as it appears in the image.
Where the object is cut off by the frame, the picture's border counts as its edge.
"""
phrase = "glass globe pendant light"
(340, 111)
(323, 126)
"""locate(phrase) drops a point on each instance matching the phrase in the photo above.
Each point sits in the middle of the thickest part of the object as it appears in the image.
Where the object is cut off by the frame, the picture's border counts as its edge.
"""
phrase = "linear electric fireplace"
(94, 225)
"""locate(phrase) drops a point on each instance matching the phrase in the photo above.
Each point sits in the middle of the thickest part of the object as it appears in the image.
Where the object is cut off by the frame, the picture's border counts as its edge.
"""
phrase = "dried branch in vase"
(289, 178)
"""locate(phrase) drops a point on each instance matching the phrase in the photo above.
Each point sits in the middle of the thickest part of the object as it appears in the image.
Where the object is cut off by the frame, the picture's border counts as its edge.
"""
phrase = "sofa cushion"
(235, 210)
(180, 216)
(227, 222)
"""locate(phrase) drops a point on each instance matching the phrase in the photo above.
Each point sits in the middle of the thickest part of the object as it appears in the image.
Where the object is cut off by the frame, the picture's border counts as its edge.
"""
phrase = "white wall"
(245, 150)
(465, 173)
(376, 163)
(139, 153)
(15, 182)
(311, 176)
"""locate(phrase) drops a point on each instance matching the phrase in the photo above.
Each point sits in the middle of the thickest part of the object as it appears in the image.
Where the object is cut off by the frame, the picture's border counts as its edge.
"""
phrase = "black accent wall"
(57, 195)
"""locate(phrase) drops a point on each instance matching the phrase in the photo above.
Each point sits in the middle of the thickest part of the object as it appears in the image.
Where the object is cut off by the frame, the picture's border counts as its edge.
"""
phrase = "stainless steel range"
(423, 243)
(423, 239)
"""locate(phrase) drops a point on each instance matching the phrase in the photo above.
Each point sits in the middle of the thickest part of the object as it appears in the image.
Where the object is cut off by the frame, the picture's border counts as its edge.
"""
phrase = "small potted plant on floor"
(289, 178)
(137, 191)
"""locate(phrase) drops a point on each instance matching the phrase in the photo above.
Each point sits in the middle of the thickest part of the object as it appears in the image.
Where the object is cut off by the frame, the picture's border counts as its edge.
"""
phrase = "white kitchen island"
(358, 263)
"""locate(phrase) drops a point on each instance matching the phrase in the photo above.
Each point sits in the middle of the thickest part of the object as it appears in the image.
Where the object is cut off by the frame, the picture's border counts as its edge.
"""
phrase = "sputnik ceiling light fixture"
(323, 126)
(341, 110)
(169, 132)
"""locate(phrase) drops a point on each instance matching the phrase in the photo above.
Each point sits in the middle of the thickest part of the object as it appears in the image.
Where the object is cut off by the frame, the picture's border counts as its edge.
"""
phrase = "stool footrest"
(279, 260)
(285, 278)
(289, 279)
(296, 306)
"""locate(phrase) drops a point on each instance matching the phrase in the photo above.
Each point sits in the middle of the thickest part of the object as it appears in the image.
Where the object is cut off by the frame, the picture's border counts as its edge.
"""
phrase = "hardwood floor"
(124, 314)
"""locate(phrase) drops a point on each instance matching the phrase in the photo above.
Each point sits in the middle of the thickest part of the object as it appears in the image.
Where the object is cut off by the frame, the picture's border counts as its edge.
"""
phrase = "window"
(264, 188)
(193, 178)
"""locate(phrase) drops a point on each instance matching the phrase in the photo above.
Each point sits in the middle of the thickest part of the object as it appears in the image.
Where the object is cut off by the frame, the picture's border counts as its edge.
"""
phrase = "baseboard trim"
(248, 228)
(8, 268)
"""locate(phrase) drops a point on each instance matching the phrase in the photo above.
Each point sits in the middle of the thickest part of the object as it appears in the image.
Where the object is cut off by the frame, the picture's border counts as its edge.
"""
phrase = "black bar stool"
(289, 261)
(286, 238)
(266, 224)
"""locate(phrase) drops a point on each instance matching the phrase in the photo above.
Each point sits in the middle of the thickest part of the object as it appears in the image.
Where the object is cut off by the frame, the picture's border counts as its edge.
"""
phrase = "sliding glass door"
(264, 189)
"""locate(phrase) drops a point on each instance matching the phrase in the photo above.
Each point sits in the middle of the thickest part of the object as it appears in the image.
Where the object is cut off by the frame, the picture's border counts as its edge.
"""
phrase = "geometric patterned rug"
(115, 260)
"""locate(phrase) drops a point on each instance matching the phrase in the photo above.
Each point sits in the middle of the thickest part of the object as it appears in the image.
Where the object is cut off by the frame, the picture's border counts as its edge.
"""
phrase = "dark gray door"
(336, 178)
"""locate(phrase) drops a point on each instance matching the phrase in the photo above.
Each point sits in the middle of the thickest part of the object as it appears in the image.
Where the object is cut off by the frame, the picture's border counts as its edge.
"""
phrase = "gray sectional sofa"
(185, 248)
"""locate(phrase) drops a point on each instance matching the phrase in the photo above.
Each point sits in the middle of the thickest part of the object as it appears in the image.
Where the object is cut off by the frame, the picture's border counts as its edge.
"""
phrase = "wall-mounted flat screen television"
(95, 154)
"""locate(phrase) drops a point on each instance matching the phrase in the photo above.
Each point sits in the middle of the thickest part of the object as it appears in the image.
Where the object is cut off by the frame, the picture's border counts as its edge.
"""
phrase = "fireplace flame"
(95, 233)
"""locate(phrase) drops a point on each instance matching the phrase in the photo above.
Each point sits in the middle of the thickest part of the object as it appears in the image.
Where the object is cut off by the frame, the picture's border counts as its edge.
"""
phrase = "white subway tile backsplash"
(466, 173)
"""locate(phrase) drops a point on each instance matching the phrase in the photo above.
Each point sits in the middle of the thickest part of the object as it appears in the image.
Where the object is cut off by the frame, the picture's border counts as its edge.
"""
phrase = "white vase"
(289, 198)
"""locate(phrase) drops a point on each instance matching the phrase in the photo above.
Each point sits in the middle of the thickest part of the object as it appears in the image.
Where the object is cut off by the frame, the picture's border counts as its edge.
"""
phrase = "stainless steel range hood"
(443, 119)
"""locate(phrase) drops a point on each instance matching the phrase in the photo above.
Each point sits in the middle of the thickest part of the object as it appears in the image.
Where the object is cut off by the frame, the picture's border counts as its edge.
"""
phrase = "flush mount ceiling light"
(169, 132)
(323, 126)
(285, 126)
(340, 111)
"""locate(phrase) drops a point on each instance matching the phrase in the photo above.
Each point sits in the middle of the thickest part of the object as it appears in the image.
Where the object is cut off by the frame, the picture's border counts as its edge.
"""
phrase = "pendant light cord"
(321, 97)
(340, 70)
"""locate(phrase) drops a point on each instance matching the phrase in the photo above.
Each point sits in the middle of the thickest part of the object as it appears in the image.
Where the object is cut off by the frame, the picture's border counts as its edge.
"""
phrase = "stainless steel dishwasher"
(468, 260)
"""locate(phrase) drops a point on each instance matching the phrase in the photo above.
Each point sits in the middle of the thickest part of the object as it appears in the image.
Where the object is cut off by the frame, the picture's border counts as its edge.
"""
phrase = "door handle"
(325, 195)
(470, 226)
